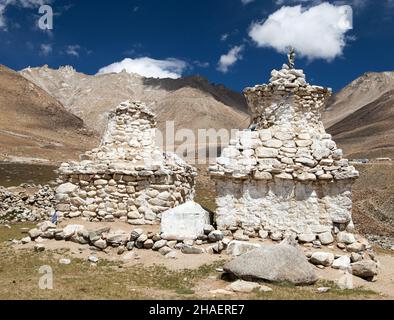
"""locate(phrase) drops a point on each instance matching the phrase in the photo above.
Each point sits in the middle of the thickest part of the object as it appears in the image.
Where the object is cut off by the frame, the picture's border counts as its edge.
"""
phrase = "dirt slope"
(360, 117)
(35, 125)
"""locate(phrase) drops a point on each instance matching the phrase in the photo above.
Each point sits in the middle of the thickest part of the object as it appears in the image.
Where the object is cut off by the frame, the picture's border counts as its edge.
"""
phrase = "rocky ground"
(26, 203)
(140, 274)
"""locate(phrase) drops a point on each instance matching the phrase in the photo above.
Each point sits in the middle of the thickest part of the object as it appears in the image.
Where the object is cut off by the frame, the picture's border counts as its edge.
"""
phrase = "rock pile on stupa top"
(129, 147)
(286, 139)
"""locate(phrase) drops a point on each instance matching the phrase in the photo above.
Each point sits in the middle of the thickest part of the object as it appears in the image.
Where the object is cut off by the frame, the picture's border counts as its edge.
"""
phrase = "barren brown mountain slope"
(373, 196)
(192, 102)
(369, 131)
(359, 93)
(34, 125)
(360, 117)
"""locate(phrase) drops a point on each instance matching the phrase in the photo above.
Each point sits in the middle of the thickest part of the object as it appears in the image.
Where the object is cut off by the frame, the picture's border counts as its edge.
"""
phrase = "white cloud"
(201, 64)
(229, 59)
(46, 49)
(316, 32)
(245, 2)
(224, 37)
(73, 50)
(148, 67)
(18, 3)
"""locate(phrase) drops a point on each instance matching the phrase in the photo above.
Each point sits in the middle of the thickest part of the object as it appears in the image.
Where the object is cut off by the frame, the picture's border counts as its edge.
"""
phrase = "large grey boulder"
(185, 222)
(274, 263)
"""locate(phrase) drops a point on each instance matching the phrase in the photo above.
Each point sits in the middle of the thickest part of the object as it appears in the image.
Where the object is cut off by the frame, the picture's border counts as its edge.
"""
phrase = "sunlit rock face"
(127, 177)
(284, 174)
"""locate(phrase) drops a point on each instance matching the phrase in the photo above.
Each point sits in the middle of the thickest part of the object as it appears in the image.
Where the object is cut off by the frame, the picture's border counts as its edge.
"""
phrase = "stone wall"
(127, 177)
(284, 207)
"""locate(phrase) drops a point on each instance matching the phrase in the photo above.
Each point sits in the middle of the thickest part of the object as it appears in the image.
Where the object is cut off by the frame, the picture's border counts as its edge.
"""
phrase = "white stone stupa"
(285, 174)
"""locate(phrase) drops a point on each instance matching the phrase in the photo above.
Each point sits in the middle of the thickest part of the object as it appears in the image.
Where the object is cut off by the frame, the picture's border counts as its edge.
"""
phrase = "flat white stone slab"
(185, 222)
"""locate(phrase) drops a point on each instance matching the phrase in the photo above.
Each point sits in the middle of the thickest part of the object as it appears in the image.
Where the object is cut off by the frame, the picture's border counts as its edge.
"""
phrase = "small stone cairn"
(127, 177)
(26, 203)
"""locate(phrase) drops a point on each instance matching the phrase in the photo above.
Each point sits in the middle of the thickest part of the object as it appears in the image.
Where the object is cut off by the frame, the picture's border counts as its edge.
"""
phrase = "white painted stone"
(186, 221)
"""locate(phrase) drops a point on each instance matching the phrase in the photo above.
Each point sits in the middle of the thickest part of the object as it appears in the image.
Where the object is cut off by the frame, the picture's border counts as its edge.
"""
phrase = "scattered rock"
(355, 257)
(346, 238)
(121, 250)
(306, 238)
(322, 258)
(148, 244)
(101, 244)
(34, 233)
(72, 229)
(159, 244)
(323, 289)
(243, 286)
(346, 282)
(365, 269)
(192, 250)
(215, 236)
(39, 248)
(326, 238)
(26, 240)
(240, 236)
(208, 229)
(221, 292)
(165, 250)
(65, 261)
(342, 263)
(263, 234)
(356, 247)
(172, 255)
(135, 234)
(44, 226)
(93, 259)
(265, 289)
(276, 236)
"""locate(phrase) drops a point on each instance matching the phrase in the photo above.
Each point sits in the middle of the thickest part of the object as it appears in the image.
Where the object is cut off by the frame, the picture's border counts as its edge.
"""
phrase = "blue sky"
(189, 37)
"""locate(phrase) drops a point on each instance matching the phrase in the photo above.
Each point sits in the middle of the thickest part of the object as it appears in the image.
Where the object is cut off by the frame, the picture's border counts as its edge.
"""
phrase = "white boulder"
(184, 222)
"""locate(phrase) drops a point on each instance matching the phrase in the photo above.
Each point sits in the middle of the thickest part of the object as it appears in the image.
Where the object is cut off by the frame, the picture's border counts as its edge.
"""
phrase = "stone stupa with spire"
(285, 175)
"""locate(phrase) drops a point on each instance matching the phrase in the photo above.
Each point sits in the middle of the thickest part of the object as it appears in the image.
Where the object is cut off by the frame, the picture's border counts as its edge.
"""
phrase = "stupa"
(127, 177)
(285, 174)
